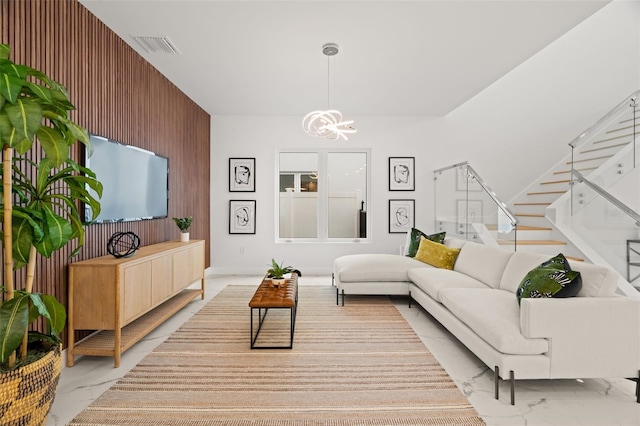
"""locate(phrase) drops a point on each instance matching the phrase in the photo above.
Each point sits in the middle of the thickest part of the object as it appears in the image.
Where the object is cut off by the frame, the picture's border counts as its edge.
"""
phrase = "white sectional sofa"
(593, 335)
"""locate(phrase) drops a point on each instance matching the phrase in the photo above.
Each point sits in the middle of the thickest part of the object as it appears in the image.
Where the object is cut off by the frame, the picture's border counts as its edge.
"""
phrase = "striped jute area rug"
(361, 364)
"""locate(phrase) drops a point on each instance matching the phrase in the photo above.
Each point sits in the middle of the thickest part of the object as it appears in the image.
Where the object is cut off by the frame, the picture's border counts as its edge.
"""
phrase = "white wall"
(261, 137)
(519, 127)
(511, 133)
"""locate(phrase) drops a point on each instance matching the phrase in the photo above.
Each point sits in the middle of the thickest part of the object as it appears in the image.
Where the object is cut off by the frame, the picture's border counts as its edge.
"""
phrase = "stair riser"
(542, 198)
(529, 209)
(533, 221)
(551, 250)
(526, 235)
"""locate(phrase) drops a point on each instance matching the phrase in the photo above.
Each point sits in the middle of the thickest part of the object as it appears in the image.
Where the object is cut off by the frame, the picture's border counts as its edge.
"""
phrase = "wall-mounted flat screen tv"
(135, 181)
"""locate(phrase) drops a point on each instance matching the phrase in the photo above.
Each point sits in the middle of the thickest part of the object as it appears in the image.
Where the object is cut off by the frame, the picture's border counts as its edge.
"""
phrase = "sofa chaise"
(593, 335)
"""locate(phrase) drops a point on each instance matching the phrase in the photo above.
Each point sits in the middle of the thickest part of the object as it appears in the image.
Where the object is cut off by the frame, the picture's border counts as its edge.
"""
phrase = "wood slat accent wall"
(120, 96)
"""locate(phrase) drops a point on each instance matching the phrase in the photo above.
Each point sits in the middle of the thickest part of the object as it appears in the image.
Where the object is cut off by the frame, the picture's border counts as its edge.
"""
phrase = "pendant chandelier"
(328, 124)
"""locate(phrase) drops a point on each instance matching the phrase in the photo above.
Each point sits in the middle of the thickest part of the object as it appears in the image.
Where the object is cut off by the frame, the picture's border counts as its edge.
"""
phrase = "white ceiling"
(397, 58)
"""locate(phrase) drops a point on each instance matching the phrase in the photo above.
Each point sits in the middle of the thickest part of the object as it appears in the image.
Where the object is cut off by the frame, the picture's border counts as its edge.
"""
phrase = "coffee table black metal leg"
(261, 318)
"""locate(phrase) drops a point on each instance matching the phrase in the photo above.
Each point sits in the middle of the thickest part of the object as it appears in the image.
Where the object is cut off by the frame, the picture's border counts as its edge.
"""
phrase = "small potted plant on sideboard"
(183, 223)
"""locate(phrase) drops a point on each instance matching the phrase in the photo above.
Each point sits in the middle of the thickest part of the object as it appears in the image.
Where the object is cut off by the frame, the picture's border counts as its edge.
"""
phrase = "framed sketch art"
(401, 173)
(242, 174)
(401, 216)
(242, 216)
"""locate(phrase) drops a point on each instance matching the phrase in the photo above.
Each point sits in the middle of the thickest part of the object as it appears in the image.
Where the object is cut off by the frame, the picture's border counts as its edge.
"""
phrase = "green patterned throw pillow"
(414, 240)
(553, 278)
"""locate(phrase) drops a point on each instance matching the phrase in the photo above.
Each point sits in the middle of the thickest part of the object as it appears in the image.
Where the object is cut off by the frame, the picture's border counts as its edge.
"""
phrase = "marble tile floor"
(596, 402)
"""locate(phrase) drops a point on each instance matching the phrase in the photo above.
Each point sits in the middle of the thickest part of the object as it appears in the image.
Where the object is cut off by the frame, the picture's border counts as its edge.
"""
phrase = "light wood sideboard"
(125, 299)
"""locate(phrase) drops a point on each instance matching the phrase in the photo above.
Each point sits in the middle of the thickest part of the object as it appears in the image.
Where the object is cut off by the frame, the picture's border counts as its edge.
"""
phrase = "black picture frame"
(401, 216)
(242, 216)
(242, 174)
(402, 174)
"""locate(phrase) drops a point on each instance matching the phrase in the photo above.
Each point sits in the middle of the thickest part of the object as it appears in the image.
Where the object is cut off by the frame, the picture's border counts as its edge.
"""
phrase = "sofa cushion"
(553, 278)
(374, 267)
(483, 263)
(494, 315)
(454, 242)
(520, 263)
(413, 240)
(597, 281)
(432, 280)
(436, 254)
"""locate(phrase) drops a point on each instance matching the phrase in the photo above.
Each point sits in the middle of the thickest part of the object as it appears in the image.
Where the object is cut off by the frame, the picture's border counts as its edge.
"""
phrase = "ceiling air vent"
(156, 44)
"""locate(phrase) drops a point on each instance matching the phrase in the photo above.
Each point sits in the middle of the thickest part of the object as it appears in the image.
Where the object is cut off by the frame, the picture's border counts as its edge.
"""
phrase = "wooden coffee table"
(268, 297)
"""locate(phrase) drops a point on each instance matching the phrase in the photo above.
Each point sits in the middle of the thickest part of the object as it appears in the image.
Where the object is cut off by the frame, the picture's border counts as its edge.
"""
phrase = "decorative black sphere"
(123, 244)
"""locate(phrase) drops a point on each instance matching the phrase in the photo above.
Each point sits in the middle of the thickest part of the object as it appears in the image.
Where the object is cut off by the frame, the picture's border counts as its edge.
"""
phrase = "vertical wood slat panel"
(120, 96)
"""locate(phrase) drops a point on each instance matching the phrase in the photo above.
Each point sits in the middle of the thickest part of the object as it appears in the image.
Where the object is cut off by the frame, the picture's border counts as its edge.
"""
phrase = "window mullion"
(323, 195)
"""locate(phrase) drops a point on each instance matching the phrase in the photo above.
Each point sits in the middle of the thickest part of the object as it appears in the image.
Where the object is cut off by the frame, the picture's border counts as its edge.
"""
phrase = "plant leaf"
(5, 51)
(14, 320)
(54, 145)
(10, 85)
(12, 136)
(33, 217)
(22, 239)
(26, 116)
(78, 132)
(57, 315)
(44, 168)
(57, 233)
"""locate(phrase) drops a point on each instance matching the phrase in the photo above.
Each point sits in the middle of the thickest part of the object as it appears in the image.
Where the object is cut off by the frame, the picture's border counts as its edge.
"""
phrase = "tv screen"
(135, 181)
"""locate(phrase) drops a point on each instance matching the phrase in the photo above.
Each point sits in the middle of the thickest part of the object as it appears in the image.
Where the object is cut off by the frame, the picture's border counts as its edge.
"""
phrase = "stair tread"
(549, 182)
(531, 204)
(605, 147)
(578, 259)
(560, 172)
(546, 192)
(621, 128)
(630, 119)
(533, 242)
(611, 138)
(494, 227)
(590, 159)
(529, 215)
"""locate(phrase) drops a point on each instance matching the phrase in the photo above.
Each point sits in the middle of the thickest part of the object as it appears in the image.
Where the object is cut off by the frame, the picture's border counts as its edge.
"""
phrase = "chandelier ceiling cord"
(328, 124)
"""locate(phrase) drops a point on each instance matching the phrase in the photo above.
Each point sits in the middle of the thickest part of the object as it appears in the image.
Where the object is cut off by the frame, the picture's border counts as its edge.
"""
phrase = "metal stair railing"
(607, 196)
(466, 206)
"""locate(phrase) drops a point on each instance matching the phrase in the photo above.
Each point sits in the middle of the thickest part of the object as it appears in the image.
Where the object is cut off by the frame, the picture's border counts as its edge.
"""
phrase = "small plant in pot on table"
(183, 223)
(277, 273)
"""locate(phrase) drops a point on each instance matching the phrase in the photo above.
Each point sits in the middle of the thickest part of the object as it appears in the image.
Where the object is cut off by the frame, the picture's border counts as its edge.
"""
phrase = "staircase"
(536, 232)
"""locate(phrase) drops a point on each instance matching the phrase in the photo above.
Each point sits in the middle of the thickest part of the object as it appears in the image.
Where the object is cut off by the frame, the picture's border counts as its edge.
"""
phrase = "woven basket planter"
(26, 394)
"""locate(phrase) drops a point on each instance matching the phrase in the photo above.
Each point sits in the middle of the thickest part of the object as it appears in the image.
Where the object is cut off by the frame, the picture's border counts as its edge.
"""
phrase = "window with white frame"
(322, 195)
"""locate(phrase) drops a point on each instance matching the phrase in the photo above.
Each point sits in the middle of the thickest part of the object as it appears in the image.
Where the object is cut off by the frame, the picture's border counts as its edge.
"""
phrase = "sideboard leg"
(117, 347)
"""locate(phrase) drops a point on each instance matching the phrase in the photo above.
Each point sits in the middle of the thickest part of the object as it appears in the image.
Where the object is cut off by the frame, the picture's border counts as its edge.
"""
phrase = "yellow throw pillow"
(436, 254)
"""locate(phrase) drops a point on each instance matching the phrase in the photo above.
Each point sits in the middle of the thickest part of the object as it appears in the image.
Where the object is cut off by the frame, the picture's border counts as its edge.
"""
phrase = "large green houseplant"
(39, 211)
